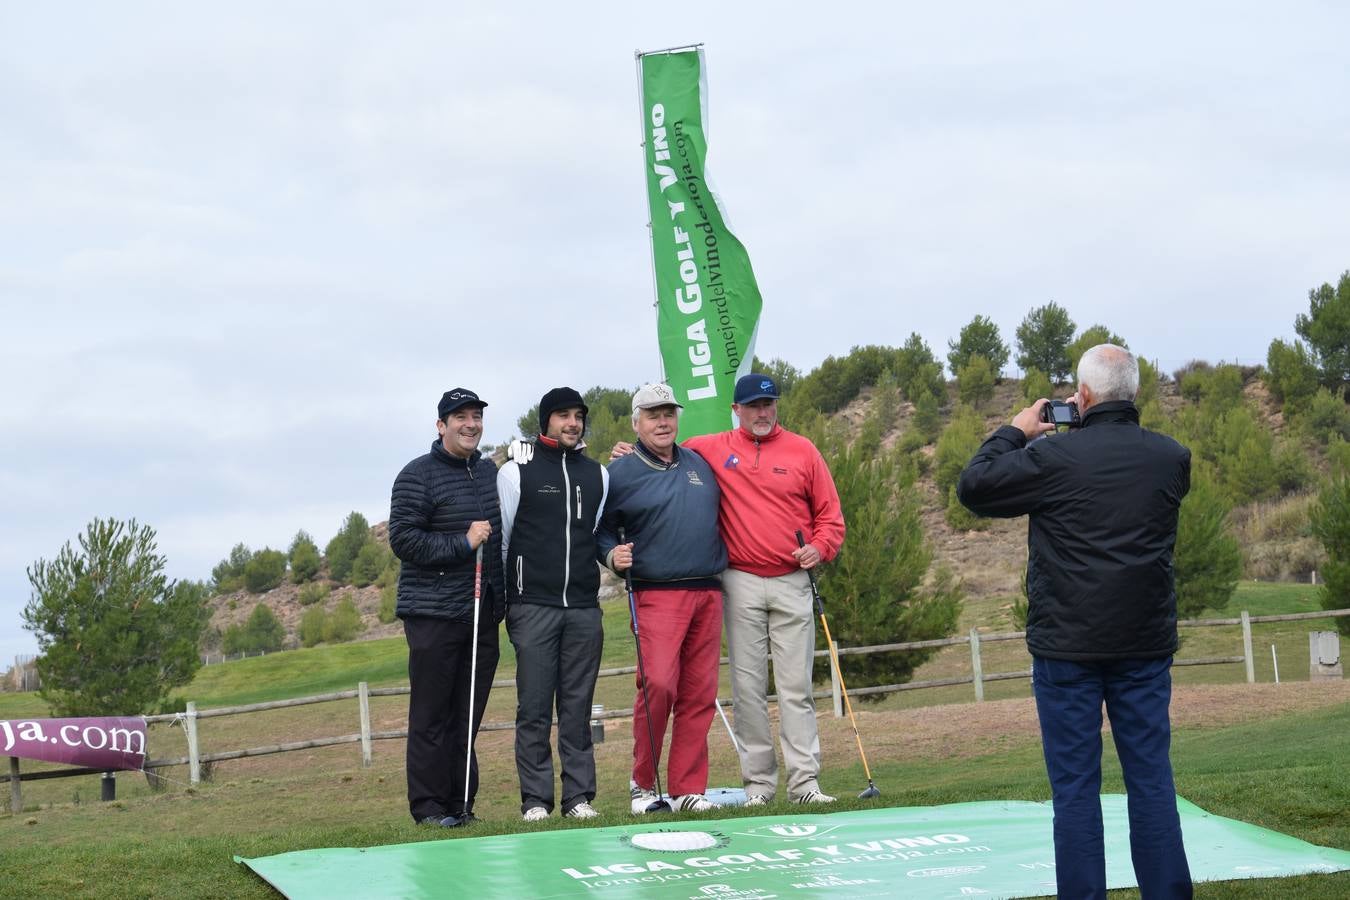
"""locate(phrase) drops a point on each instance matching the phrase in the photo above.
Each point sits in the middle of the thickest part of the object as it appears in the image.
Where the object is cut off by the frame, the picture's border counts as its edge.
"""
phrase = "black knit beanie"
(560, 398)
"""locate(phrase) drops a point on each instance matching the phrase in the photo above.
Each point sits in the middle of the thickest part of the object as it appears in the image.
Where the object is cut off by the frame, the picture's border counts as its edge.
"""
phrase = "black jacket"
(551, 506)
(1103, 502)
(435, 499)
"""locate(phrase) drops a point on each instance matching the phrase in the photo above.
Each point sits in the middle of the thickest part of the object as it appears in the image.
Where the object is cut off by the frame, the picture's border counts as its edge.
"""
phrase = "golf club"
(834, 658)
(466, 817)
(659, 804)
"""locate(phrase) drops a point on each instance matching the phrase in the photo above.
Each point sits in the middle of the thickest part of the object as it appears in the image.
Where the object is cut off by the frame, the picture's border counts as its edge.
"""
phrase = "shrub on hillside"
(343, 624)
(1035, 385)
(1207, 562)
(262, 632)
(1325, 416)
(314, 592)
(882, 586)
(960, 439)
(1331, 526)
(979, 337)
(312, 626)
(304, 558)
(975, 382)
(1089, 338)
(369, 563)
(925, 425)
(1326, 328)
(1043, 341)
(342, 550)
(266, 570)
(228, 575)
(1291, 374)
(388, 604)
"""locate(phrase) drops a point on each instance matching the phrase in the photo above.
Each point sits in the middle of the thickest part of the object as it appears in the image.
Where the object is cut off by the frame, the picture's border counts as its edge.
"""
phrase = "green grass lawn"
(1285, 772)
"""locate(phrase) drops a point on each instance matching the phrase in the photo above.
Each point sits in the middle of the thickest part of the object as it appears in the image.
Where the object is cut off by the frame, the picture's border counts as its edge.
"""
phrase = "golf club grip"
(811, 577)
(478, 574)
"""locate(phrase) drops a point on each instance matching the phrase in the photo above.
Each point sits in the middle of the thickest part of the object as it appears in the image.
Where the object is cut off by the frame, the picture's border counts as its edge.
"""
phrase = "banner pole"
(651, 247)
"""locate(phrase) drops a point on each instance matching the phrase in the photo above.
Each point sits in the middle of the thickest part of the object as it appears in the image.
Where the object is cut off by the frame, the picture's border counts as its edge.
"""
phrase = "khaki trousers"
(771, 618)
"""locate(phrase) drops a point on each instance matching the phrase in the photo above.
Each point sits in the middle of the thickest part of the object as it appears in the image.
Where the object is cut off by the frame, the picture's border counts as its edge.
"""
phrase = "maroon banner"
(103, 743)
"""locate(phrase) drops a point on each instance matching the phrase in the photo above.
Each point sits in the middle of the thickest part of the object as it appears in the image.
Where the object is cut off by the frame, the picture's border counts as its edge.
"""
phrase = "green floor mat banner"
(988, 849)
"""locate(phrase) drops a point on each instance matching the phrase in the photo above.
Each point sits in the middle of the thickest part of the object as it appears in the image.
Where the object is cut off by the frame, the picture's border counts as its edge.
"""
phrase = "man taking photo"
(1103, 502)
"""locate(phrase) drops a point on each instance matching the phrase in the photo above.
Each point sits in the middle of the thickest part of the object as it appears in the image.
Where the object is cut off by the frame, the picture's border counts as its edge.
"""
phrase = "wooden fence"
(978, 678)
(195, 758)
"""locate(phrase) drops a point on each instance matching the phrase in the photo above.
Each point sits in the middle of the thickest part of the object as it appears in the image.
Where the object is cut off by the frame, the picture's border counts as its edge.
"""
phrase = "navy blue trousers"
(1137, 692)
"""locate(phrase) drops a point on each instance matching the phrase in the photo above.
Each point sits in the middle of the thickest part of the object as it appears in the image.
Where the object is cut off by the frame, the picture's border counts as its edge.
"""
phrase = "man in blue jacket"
(1103, 502)
(666, 499)
(443, 508)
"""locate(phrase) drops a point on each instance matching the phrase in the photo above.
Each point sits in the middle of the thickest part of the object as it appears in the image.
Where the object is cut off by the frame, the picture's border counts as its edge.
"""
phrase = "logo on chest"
(732, 461)
(693, 477)
(549, 489)
(779, 470)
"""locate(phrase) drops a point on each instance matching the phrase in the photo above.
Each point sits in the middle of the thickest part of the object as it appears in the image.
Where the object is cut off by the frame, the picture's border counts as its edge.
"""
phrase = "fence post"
(1247, 647)
(976, 667)
(834, 684)
(194, 757)
(15, 792)
(363, 695)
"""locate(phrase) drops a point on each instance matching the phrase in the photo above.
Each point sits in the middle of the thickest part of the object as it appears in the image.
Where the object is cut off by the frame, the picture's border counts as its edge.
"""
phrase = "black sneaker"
(439, 821)
(462, 819)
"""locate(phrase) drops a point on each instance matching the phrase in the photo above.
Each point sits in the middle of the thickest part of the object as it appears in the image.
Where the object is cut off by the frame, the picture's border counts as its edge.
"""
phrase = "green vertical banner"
(706, 297)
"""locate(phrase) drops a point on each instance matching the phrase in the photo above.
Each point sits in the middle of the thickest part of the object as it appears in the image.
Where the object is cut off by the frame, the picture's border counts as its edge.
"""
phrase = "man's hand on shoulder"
(621, 448)
(1028, 421)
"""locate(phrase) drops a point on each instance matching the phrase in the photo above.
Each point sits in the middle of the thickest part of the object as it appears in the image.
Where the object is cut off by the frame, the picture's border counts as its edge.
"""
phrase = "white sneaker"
(535, 814)
(582, 810)
(758, 800)
(643, 800)
(814, 797)
(693, 803)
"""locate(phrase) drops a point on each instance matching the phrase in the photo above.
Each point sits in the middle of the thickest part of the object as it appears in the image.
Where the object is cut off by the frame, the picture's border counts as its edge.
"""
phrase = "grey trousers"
(557, 658)
(771, 618)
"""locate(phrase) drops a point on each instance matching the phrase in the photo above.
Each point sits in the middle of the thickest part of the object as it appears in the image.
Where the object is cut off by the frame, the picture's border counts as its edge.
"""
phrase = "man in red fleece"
(774, 483)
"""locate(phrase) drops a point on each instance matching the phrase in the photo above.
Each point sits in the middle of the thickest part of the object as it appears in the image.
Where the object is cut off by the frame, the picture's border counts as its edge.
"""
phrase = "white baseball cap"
(650, 396)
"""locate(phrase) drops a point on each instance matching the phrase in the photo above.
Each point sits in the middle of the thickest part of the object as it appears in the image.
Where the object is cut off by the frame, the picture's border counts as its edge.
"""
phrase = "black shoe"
(456, 821)
(440, 821)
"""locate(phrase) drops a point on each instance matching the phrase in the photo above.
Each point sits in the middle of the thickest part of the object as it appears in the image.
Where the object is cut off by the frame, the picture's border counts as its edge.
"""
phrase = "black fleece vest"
(551, 560)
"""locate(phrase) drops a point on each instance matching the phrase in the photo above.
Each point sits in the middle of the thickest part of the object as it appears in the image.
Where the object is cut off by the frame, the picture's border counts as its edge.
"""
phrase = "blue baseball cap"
(754, 387)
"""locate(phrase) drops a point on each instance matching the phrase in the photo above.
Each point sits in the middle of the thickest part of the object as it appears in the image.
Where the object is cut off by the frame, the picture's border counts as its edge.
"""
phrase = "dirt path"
(970, 729)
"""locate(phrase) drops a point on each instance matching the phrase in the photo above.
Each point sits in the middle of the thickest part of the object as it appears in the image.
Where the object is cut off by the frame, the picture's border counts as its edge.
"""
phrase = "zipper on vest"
(567, 530)
(520, 575)
(578, 503)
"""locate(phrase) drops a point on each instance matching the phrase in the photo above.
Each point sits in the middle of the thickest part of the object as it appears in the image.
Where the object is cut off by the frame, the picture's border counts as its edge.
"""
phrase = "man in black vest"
(551, 499)
(444, 507)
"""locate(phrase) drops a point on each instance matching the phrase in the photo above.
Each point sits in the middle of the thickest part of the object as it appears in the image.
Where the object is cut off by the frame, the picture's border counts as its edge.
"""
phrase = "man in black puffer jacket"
(444, 507)
(552, 495)
(1103, 502)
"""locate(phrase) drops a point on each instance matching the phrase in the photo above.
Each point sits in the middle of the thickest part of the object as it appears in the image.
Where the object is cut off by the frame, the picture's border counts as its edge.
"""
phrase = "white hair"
(1110, 372)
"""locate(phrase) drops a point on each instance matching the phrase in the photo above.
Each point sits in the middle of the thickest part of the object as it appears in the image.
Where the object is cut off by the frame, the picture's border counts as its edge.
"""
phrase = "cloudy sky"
(244, 248)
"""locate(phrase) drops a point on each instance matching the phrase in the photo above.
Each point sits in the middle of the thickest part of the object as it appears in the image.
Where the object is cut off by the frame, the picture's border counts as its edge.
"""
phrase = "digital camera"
(1061, 413)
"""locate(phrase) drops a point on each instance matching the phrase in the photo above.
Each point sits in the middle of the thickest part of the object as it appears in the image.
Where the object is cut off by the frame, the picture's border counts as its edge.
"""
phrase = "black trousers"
(557, 658)
(439, 656)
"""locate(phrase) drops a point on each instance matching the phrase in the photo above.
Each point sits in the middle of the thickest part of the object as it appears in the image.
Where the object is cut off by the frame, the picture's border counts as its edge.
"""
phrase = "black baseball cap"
(755, 387)
(453, 399)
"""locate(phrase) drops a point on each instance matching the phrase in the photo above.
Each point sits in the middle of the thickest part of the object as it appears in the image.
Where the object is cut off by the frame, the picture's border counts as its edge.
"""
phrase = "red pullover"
(771, 488)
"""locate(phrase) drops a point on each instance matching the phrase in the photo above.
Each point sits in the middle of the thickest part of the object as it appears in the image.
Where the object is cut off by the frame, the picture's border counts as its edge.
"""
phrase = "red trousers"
(681, 635)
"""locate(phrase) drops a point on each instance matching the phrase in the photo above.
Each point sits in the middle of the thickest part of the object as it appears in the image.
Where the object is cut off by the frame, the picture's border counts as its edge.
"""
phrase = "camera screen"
(1063, 413)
